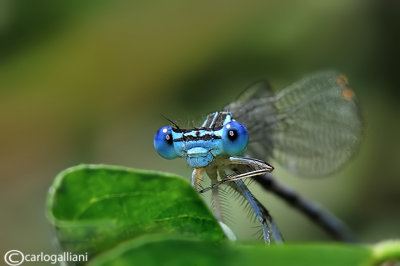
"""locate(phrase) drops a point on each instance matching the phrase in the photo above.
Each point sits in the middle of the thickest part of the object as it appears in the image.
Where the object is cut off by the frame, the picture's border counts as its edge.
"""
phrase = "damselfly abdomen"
(311, 128)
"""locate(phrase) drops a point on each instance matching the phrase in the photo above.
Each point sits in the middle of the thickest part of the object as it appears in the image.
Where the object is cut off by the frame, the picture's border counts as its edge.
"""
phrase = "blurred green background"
(87, 82)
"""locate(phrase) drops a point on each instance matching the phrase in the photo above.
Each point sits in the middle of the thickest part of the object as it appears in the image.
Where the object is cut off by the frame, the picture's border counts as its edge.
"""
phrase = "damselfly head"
(200, 146)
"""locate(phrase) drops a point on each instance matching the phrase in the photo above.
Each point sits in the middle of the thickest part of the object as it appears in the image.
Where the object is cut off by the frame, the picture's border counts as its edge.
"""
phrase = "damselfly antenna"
(169, 120)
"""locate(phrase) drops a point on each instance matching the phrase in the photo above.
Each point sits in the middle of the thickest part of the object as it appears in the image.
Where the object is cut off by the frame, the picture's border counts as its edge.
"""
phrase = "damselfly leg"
(269, 227)
(259, 167)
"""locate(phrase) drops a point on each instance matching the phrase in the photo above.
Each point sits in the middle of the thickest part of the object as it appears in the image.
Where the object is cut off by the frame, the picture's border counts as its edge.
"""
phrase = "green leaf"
(122, 216)
(161, 251)
(95, 207)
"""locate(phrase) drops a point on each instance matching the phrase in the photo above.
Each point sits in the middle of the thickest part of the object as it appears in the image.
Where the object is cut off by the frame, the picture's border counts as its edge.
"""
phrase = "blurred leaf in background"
(86, 83)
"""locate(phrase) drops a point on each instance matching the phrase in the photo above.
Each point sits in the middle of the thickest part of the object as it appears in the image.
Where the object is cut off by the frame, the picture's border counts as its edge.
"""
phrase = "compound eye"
(234, 138)
(164, 144)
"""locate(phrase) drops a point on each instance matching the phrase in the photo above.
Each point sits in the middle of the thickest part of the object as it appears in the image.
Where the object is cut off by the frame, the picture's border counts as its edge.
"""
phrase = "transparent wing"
(311, 127)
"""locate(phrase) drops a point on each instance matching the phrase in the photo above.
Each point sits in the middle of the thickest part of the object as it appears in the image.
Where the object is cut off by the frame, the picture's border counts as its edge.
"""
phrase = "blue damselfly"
(311, 128)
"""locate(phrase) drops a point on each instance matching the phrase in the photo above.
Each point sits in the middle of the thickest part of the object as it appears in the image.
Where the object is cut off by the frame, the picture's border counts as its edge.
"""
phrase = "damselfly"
(311, 128)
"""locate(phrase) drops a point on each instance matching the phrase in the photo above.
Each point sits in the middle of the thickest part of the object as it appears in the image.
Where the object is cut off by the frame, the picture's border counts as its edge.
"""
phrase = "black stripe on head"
(194, 138)
(182, 130)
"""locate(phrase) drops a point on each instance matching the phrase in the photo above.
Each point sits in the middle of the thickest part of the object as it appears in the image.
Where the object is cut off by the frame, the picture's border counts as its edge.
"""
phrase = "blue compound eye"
(164, 144)
(234, 138)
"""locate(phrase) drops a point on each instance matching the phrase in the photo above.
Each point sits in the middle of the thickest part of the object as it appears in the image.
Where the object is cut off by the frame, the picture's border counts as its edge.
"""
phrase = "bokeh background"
(87, 82)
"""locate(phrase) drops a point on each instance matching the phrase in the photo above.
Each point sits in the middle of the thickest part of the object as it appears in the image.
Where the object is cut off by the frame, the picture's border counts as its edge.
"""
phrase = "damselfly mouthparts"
(311, 128)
